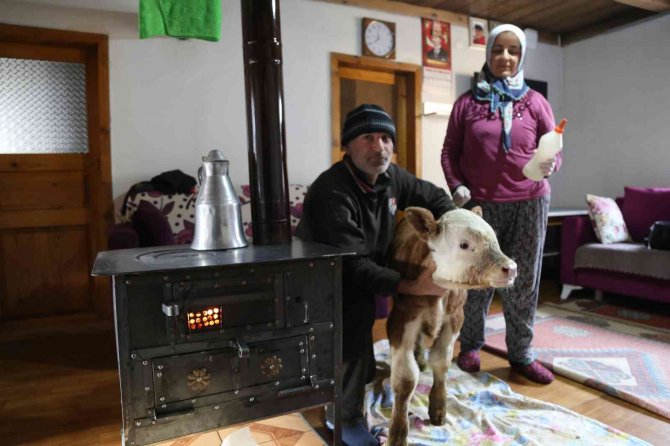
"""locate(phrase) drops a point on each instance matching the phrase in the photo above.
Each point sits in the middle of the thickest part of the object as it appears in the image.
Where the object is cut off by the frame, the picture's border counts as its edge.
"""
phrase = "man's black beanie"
(367, 118)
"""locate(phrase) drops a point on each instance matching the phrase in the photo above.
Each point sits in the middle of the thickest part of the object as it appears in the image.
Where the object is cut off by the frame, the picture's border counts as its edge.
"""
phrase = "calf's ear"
(422, 220)
(477, 210)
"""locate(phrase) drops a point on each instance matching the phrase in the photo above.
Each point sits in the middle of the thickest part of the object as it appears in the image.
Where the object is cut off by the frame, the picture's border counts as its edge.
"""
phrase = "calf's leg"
(404, 377)
(440, 357)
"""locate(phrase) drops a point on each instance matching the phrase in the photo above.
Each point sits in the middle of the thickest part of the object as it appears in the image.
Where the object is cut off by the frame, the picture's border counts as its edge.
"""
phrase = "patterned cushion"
(179, 210)
(296, 196)
(607, 221)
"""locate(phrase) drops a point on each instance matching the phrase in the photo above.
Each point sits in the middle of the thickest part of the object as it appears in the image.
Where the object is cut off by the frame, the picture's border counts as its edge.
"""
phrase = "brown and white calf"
(466, 255)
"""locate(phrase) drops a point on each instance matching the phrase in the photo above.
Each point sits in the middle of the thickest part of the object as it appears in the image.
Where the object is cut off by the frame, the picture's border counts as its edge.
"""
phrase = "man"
(352, 205)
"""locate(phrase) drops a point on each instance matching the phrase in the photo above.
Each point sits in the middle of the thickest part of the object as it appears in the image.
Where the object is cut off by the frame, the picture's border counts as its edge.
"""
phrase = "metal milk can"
(218, 216)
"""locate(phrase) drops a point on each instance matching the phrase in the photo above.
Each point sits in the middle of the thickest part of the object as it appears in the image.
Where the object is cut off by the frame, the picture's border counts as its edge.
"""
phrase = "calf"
(464, 252)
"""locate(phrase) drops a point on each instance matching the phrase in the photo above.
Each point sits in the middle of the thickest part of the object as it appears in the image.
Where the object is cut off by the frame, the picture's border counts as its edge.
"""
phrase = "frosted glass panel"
(42, 107)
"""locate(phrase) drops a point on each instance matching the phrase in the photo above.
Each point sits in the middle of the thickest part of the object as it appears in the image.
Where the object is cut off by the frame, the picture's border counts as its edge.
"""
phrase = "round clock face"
(379, 38)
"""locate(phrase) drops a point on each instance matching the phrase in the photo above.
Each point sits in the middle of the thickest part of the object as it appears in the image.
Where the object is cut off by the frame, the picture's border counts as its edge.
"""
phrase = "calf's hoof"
(438, 418)
(395, 441)
(437, 413)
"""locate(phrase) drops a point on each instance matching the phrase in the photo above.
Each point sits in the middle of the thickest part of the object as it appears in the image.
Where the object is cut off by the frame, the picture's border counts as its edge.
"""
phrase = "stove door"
(184, 377)
(209, 377)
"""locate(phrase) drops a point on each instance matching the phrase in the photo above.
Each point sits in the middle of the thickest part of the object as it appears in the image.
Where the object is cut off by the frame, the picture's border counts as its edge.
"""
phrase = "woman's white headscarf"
(502, 92)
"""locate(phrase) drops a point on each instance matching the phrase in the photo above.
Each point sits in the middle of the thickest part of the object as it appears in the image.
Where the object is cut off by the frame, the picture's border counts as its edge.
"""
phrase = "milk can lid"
(214, 155)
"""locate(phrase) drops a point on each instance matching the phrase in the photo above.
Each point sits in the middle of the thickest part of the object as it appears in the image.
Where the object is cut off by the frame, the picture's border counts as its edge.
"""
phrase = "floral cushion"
(178, 209)
(296, 196)
(607, 220)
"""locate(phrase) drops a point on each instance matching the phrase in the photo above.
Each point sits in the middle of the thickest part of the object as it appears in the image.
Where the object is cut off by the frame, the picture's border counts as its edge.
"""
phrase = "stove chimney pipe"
(261, 35)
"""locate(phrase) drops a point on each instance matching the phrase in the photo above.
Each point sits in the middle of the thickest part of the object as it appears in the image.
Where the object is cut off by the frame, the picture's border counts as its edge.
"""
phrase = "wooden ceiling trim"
(648, 5)
(538, 12)
(583, 14)
(397, 7)
(606, 25)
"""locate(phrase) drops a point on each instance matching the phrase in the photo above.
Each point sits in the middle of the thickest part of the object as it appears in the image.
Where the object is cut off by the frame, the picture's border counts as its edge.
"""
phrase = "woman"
(493, 132)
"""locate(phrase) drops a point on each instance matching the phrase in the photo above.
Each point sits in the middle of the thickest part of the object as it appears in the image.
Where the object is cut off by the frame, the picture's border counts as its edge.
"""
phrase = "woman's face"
(505, 55)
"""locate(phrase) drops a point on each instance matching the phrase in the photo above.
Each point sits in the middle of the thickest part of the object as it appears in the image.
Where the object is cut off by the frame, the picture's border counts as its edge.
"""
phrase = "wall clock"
(378, 38)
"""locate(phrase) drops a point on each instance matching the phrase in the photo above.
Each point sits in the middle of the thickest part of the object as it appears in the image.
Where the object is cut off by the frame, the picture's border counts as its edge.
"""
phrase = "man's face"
(371, 153)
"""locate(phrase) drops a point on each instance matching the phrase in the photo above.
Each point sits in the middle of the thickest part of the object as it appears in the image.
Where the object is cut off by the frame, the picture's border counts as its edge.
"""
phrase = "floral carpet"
(483, 410)
(621, 352)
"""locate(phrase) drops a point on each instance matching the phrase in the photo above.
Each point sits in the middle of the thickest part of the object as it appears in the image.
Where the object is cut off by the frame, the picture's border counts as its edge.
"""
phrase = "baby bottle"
(550, 144)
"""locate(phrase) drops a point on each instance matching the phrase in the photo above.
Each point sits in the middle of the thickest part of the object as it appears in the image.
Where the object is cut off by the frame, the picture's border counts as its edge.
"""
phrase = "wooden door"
(55, 208)
(394, 86)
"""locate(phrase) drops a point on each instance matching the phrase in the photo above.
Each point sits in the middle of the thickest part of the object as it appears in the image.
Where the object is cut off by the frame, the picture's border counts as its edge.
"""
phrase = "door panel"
(392, 85)
(50, 272)
(46, 190)
(55, 208)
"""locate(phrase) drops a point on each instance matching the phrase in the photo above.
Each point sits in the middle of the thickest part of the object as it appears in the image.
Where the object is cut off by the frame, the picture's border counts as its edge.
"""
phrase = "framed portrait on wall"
(436, 43)
(479, 32)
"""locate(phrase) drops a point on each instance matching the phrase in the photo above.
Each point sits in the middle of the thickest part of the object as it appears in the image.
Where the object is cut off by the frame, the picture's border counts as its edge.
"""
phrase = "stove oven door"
(187, 381)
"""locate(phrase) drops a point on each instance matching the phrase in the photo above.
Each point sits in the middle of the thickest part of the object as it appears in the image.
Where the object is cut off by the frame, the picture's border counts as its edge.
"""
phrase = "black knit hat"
(367, 118)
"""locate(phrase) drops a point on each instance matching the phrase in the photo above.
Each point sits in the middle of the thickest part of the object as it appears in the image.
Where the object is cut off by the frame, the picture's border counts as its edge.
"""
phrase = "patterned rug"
(621, 352)
(483, 410)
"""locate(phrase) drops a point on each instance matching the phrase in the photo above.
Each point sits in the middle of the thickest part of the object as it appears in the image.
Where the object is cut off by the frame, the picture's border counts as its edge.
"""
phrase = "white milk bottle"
(550, 144)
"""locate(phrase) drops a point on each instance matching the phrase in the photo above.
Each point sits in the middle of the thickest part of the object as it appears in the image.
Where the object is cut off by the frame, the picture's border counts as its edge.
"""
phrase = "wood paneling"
(62, 285)
(46, 190)
(43, 218)
(34, 163)
(28, 51)
(55, 209)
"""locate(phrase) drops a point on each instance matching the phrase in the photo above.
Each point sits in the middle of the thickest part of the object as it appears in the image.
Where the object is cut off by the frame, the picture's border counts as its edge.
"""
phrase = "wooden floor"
(63, 390)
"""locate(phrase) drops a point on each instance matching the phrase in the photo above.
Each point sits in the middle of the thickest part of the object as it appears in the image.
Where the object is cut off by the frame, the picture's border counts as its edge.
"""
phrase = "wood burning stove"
(206, 339)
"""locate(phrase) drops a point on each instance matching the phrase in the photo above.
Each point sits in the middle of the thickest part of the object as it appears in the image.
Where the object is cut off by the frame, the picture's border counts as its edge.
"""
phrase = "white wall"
(617, 100)
(172, 101)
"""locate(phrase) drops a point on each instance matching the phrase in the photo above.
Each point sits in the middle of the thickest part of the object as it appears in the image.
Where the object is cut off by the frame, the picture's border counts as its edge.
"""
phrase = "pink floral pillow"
(607, 221)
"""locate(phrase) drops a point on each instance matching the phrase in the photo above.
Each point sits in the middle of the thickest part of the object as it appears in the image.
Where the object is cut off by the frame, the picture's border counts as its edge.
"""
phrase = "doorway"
(395, 86)
(56, 205)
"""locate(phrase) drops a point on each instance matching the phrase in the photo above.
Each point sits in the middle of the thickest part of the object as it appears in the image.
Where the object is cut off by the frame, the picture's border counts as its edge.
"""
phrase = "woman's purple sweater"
(472, 153)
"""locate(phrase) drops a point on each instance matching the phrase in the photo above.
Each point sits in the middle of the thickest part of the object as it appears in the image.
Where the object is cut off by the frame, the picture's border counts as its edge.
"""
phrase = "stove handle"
(306, 306)
(242, 347)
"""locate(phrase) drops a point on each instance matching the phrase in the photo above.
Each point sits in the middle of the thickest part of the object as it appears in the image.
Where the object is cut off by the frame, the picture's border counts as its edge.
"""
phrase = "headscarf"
(502, 92)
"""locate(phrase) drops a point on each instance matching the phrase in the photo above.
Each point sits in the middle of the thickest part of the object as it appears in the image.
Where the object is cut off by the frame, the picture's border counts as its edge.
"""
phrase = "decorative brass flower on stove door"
(198, 379)
(271, 366)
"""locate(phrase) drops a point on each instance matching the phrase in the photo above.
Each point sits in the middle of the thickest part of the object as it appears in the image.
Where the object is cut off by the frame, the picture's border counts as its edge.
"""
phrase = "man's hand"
(423, 285)
(461, 196)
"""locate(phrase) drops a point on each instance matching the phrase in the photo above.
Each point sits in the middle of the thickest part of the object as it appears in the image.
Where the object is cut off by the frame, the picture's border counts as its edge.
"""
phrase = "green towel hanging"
(198, 19)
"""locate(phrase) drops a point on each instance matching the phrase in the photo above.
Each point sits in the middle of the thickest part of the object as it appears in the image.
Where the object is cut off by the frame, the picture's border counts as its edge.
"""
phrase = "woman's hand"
(461, 196)
(547, 167)
(423, 285)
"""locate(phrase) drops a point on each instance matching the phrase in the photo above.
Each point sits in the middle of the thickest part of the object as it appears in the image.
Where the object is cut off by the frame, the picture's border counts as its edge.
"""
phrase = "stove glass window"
(204, 319)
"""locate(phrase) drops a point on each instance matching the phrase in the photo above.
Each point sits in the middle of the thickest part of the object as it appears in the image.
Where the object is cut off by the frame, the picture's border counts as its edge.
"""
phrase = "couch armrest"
(575, 231)
(123, 236)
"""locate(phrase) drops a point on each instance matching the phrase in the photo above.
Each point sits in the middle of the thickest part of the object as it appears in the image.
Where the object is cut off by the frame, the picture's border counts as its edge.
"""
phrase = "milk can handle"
(200, 175)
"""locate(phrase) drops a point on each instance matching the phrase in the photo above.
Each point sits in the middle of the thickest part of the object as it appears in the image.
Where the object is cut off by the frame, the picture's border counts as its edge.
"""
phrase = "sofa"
(152, 218)
(629, 268)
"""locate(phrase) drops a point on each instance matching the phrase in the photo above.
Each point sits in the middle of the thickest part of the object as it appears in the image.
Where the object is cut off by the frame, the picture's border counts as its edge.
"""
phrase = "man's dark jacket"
(341, 209)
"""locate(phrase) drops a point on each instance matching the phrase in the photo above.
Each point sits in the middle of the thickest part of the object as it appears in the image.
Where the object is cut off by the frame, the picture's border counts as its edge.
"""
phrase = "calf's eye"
(464, 245)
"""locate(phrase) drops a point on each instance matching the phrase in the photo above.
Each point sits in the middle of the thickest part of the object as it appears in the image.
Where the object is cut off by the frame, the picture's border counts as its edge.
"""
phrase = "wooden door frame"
(411, 77)
(98, 181)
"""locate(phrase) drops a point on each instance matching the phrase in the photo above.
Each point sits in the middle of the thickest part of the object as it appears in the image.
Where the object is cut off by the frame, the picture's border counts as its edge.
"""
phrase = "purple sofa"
(629, 268)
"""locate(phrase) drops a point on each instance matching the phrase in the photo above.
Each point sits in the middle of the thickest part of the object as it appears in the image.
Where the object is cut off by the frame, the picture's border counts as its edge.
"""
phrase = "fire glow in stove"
(207, 339)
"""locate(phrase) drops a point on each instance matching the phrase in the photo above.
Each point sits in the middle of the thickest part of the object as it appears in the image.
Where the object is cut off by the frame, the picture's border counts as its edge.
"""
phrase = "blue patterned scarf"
(501, 93)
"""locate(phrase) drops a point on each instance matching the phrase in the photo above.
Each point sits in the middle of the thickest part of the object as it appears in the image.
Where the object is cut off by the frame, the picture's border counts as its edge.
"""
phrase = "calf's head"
(465, 249)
